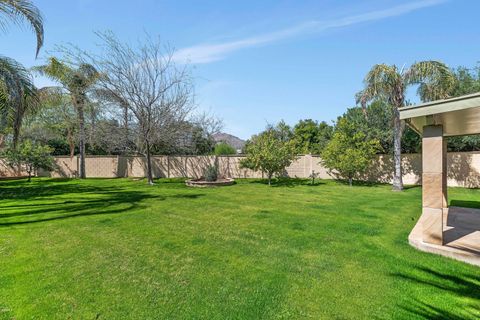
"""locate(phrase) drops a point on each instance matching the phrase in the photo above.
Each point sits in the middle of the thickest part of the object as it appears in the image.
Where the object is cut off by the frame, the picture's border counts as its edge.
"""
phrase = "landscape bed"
(120, 249)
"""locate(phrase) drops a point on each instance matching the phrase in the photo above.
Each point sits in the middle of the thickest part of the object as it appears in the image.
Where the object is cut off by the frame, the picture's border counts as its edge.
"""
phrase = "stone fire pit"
(202, 183)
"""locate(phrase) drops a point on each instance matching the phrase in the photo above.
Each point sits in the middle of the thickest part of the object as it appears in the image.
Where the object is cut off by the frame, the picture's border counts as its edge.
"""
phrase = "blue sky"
(257, 62)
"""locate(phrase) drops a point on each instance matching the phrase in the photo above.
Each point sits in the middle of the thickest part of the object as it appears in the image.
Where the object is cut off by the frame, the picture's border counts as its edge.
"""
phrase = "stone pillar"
(434, 191)
(445, 182)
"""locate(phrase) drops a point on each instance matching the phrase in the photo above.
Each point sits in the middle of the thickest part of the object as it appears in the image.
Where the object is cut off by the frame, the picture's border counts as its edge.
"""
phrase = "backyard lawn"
(119, 249)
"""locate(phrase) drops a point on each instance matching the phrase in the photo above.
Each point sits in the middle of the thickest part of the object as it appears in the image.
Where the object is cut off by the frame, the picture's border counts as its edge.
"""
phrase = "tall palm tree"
(389, 83)
(17, 92)
(77, 81)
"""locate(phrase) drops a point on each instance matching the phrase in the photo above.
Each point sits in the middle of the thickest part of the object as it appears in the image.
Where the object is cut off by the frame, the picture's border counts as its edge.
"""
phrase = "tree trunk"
(71, 143)
(16, 134)
(2, 141)
(126, 130)
(149, 164)
(397, 150)
(81, 125)
(350, 181)
(269, 179)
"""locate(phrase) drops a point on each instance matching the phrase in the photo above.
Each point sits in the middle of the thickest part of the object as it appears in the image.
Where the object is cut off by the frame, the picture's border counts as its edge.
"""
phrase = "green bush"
(269, 153)
(350, 152)
(211, 173)
(30, 157)
(223, 149)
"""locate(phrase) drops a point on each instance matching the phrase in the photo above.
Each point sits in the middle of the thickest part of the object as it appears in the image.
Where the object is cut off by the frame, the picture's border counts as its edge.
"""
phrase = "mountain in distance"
(235, 142)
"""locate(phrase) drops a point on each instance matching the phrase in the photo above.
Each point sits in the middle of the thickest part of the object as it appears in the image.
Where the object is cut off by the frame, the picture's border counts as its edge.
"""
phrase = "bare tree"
(144, 80)
(121, 141)
(209, 123)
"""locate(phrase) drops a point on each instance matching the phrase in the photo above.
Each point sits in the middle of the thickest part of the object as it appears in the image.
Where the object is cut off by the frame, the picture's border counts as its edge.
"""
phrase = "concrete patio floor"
(461, 235)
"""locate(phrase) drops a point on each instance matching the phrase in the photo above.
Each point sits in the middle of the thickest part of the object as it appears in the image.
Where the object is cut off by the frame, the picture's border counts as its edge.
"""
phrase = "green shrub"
(211, 173)
(30, 157)
(224, 148)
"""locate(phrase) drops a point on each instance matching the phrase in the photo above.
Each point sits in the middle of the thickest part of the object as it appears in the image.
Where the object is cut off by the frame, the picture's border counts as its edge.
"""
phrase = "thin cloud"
(206, 53)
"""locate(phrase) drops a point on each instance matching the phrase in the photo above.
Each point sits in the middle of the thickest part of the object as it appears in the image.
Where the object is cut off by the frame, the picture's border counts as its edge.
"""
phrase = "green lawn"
(119, 249)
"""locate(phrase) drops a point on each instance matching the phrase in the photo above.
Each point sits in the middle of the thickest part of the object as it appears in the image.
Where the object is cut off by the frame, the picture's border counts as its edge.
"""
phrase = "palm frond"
(29, 104)
(76, 80)
(20, 11)
(15, 77)
(382, 82)
(435, 80)
(56, 70)
(4, 108)
(18, 94)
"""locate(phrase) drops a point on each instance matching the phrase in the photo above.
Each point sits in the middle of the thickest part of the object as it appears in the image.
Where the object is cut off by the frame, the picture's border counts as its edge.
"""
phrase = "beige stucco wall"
(6, 171)
(463, 168)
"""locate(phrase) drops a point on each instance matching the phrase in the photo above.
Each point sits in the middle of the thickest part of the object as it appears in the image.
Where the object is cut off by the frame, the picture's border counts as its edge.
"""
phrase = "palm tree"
(17, 92)
(388, 83)
(77, 81)
(18, 95)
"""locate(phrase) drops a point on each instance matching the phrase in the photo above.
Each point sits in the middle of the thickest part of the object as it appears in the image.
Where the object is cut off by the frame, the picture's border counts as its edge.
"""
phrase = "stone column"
(434, 191)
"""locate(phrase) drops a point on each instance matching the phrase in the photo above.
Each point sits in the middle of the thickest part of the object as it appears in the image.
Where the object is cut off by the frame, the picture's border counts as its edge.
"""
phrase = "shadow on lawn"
(376, 184)
(289, 182)
(23, 190)
(40, 205)
(465, 204)
(462, 286)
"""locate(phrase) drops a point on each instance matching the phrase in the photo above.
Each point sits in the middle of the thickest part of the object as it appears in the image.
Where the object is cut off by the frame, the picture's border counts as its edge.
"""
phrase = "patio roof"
(458, 116)
(452, 232)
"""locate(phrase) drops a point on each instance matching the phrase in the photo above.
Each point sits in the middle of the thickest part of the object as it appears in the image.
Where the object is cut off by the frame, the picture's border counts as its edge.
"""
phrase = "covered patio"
(449, 231)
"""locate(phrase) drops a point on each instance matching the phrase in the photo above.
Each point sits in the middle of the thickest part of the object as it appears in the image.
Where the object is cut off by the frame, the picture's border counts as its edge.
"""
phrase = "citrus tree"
(269, 153)
(30, 157)
(350, 152)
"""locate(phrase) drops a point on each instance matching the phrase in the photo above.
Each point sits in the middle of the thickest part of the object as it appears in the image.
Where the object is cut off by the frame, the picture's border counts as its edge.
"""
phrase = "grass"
(119, 249)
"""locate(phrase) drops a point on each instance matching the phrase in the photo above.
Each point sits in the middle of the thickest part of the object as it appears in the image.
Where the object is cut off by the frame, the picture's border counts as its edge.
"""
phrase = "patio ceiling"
(458, 116)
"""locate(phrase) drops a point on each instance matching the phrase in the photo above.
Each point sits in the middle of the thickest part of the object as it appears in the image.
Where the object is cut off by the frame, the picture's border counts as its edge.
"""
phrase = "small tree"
(268, 153)
(30, 157)
(350, 152)
(224, 148)
(211, 173)
(313, 176)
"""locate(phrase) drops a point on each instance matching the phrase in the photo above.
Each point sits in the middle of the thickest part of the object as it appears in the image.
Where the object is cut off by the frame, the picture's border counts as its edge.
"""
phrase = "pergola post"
(434, 183)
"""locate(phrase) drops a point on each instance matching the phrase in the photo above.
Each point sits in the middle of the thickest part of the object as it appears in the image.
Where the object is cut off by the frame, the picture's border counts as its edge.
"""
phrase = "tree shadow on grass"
(360, 183)
(411, 186)
(465, 204)
(23, 190)
(462, 286)
(289, 182)
(39, 204)
(180, 181)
